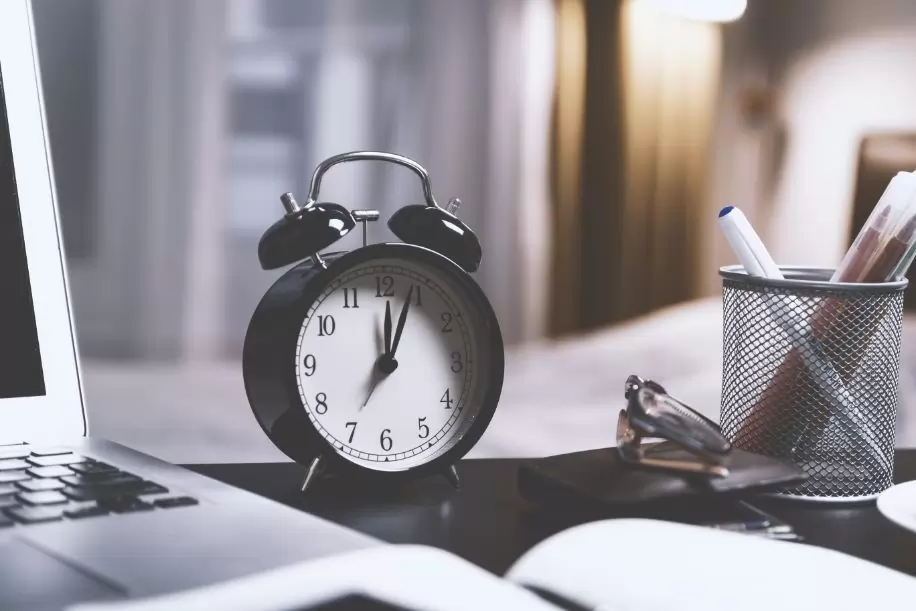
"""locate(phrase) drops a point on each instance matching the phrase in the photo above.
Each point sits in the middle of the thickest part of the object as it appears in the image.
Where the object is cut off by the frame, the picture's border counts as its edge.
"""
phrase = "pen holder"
(809, 373)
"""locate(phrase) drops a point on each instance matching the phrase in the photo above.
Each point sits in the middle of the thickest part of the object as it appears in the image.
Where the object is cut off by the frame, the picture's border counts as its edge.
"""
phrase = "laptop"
(81, 518)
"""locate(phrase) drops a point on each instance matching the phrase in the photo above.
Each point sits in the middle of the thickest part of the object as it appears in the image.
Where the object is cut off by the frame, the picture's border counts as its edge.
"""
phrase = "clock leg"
(314, 468)
(451, 474)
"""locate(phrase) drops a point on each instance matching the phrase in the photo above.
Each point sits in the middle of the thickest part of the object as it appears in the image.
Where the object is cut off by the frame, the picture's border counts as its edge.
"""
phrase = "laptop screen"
(21, 372)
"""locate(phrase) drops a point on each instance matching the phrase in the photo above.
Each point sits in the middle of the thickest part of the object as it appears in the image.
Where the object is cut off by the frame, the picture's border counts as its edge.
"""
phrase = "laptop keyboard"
(47, 485)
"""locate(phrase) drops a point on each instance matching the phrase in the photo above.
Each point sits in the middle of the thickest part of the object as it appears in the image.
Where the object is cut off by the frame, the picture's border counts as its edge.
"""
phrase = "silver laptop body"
(157, 545)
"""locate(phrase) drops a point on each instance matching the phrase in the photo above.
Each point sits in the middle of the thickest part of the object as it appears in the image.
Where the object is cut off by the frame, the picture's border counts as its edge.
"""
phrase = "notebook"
(613, 565)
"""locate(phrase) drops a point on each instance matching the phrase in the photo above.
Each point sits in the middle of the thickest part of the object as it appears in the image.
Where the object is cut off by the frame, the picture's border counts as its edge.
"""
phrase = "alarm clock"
(385, 362)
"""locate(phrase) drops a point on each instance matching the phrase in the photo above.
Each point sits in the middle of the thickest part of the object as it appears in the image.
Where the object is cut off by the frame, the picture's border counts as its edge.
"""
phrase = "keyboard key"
(89, 511)
(5, 521)
(8, 500)
(101, 479)
(53, 471)
(8, 477)
(63, 459)
(47, 497)
(13, 463)
(14, 452)
(37, 485)
(152, 488)
(93, 467)
(7, 489)
(31, 515)
(99, 493)
(175, 501)
(50, 451)
(126, 505)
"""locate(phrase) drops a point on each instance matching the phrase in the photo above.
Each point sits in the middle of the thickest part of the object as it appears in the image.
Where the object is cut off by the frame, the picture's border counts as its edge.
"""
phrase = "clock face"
(392, 400)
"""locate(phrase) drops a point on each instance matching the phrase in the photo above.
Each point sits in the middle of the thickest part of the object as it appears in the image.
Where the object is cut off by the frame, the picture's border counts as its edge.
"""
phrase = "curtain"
(517, 200)
(192, 116)
(634, 107)
(139, 152)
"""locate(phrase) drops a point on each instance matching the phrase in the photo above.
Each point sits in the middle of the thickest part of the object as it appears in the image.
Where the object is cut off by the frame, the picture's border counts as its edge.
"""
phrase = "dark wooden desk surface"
(487, 522)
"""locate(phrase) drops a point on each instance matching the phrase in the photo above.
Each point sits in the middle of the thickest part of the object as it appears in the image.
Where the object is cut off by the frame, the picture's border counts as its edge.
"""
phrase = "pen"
(858, 260)
(895, 254)
(883, 266)
(873, 257)
(904, 265)
(747, 245)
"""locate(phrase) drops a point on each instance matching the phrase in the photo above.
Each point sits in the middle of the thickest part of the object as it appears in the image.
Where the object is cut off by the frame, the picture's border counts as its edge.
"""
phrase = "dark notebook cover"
(600, 481)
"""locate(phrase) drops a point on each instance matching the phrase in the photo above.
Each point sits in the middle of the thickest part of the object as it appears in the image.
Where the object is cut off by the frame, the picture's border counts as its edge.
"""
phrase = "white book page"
(410, 576)
(647, 565)
(613, 565)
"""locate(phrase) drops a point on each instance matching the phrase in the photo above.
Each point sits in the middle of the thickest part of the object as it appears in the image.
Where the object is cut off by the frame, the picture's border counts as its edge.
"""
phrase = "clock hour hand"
(386, 363)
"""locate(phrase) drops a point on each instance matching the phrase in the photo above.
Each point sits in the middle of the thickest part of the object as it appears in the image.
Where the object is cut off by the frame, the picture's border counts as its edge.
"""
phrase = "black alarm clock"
(385, 362)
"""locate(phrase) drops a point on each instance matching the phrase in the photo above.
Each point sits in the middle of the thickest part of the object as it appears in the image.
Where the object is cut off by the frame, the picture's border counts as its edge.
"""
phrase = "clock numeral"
(352, 431)
(385, 440)
(447, 322)
(424, 430)
(447, 399)
(416, 289)
(384, 286)
(347, 293)
(310, 365)
(457, 364)
(326, 325)
(321, 403)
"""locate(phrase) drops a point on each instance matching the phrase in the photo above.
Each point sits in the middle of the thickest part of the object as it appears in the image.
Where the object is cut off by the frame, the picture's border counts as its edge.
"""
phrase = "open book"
(612, 565)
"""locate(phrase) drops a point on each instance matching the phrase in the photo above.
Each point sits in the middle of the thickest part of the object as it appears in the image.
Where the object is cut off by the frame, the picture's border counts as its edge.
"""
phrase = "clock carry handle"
(429, 225)
(330, 162)
(305, 230)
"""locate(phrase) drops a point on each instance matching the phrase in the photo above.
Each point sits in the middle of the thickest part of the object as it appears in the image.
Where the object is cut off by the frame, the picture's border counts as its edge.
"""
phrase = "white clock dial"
(381, 419)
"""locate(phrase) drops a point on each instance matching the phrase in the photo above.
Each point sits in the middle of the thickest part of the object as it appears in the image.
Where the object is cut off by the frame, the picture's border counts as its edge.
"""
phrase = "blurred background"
(591, 141)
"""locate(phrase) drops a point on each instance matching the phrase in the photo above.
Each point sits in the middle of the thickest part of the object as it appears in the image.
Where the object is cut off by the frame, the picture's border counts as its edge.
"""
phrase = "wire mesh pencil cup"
(810, 372)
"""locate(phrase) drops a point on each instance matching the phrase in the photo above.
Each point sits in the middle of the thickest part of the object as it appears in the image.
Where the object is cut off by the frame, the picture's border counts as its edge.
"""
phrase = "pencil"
(870, 259)
(862, 250)
(885, 263)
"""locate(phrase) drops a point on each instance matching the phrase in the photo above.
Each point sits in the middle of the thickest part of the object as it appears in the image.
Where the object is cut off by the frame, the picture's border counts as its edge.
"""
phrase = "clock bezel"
(492, 344)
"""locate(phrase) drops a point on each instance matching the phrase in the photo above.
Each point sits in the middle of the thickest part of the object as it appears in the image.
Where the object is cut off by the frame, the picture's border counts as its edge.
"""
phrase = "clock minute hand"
(401, 320)
(387, 327)
(376, 376)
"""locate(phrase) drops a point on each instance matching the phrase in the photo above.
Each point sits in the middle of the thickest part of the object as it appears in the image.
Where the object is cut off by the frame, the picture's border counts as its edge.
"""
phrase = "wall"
(840, 69)
(737, 145)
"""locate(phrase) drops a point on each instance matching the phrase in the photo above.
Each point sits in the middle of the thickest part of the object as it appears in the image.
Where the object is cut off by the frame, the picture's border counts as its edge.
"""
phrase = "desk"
(487, 522)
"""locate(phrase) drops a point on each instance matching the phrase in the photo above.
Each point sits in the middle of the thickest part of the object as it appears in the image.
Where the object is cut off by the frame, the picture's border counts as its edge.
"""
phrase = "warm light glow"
(702, 10)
